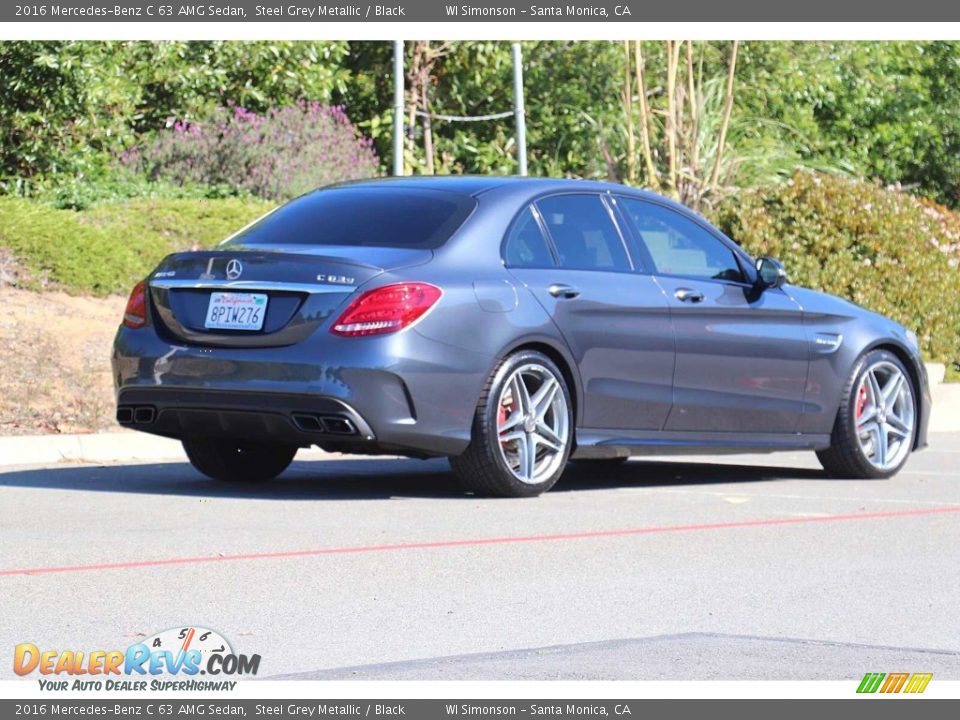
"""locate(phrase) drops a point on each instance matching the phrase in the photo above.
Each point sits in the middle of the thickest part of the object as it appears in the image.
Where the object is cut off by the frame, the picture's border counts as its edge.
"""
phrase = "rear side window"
(583, 233)
(525, 245)
(368, 216)
(679, 246)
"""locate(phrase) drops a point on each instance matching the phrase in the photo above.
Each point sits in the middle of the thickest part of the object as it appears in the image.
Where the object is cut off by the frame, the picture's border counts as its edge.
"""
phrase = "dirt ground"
(55, 362)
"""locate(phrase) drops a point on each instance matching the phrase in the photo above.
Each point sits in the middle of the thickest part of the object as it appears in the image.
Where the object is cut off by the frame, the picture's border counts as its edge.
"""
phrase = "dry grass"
(55, 362)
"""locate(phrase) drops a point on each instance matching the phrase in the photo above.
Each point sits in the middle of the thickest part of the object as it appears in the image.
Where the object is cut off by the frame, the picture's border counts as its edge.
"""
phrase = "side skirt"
(601, 443)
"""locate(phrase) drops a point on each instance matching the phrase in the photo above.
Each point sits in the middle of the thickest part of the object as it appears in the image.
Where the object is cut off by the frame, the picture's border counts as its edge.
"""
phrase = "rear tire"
(875, 428)
(238, 460)
(522, 430)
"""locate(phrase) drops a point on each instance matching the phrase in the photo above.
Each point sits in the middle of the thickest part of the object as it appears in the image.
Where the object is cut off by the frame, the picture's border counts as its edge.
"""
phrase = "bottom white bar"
(512, 690)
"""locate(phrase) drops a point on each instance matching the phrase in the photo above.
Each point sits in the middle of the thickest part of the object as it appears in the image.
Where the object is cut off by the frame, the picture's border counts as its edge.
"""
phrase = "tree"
(685, 152)
(66, 108)
(573, 117)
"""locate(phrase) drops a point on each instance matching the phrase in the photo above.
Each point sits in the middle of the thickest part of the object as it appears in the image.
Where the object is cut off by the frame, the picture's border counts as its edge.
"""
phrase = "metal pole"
(398, 107)
(518, 109)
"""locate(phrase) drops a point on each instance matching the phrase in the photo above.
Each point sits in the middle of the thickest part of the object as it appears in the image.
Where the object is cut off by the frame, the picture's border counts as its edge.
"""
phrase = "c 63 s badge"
(184, 652)
(336, 279)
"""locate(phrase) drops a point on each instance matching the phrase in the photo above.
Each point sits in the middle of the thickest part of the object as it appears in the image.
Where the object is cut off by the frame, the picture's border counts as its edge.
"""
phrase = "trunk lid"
(300, 288)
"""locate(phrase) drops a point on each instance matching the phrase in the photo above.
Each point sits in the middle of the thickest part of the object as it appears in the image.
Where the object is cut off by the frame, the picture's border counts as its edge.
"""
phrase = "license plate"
(236, 311)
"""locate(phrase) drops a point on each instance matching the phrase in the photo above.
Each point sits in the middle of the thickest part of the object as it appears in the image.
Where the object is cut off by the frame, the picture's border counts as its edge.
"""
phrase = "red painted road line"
(481, 541)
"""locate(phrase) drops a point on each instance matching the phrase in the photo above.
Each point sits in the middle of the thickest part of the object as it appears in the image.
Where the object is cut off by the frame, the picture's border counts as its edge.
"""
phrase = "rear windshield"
(371, 216)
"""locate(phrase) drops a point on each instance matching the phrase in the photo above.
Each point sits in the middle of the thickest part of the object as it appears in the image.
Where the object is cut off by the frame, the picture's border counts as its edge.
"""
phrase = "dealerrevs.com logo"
(173, 659)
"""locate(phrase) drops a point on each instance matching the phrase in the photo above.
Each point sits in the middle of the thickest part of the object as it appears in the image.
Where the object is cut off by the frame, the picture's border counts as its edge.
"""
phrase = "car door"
(742, 355)
(571, 255)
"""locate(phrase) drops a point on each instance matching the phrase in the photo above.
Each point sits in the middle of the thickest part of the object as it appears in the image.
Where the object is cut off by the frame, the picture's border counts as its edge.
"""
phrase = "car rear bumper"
(279, 417)
(404, 394)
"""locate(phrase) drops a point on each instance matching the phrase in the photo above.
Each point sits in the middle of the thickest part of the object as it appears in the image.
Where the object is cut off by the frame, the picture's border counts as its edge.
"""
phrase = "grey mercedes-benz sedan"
(512, 325)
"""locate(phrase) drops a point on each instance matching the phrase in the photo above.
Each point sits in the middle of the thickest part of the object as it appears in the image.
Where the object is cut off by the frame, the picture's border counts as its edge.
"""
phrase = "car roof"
(476, 185)
(465, 184)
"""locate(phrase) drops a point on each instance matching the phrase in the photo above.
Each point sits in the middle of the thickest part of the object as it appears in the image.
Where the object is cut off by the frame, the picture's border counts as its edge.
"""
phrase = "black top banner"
(394, 11)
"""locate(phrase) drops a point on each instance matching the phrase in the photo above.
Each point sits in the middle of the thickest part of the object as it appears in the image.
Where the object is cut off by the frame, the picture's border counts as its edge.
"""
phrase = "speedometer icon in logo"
(184, 639)
(234, 269)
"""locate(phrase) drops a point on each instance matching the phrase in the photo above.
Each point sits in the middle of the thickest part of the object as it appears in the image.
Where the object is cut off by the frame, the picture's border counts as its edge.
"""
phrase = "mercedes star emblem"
(234, 269)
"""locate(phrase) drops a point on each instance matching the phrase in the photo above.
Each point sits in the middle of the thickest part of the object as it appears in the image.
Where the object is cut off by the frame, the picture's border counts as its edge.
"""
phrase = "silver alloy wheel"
(885, 415)
(533, 423)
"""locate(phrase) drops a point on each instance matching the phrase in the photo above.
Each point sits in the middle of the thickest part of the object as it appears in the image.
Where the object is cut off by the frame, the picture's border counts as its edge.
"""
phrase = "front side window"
(583, 233)
(679, 246)
(525, 245)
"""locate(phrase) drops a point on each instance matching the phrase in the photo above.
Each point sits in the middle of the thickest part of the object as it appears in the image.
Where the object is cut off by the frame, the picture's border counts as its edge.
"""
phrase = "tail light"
(386, 309)
(135, 316)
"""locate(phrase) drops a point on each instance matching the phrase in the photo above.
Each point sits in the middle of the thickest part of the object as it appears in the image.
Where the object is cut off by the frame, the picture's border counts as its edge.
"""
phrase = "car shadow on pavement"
(665, 473)
(378, 478)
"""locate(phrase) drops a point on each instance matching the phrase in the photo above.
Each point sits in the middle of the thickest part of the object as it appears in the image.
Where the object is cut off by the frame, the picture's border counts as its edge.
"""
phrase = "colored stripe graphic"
(870, 682)
(918, 682)
(894, 682)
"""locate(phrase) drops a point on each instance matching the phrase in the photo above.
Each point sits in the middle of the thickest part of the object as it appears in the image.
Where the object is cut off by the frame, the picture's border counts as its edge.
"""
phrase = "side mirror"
(770, 273)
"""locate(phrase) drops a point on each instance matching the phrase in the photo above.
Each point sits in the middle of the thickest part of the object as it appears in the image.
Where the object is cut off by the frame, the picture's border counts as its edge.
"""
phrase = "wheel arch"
(904, 356)
(561, 358)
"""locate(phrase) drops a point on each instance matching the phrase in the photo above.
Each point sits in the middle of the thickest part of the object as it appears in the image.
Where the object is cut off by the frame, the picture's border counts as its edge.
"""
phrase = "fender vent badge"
(827, 342)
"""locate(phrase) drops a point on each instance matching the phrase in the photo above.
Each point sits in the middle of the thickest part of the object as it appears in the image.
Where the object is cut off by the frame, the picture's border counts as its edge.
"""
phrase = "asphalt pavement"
(744, 567)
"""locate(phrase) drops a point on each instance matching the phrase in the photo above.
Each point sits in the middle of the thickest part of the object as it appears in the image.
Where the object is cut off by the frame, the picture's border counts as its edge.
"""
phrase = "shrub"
(109, 248)
(66, 106)
(279, 155)
(878, 247)
(87, 191)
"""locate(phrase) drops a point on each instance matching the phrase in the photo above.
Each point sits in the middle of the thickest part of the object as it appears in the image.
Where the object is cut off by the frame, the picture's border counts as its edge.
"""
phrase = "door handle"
(688, 295)
(564, 292)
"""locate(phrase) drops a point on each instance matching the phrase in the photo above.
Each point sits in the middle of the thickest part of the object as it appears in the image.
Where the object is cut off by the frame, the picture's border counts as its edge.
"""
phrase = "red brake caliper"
(861, 400)
(502, 415)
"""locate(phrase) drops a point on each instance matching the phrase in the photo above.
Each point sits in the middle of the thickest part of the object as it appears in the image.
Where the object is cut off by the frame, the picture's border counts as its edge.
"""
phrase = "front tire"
(238, 460)
(522, 430)
(876, 424)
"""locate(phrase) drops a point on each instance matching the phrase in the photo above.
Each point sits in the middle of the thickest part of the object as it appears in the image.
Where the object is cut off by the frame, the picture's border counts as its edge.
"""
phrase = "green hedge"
(108, 248)
(883, 249)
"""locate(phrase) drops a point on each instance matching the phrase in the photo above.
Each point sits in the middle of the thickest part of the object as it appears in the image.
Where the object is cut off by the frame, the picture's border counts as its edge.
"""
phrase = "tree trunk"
(413, 94)
(427, 122)
(694, 114)
(653, 178)
(725, 124)
(673, 59)
(628, 111)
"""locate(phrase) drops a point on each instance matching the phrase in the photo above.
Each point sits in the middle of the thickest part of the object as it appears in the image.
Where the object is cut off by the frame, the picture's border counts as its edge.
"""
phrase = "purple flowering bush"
(280, 154)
